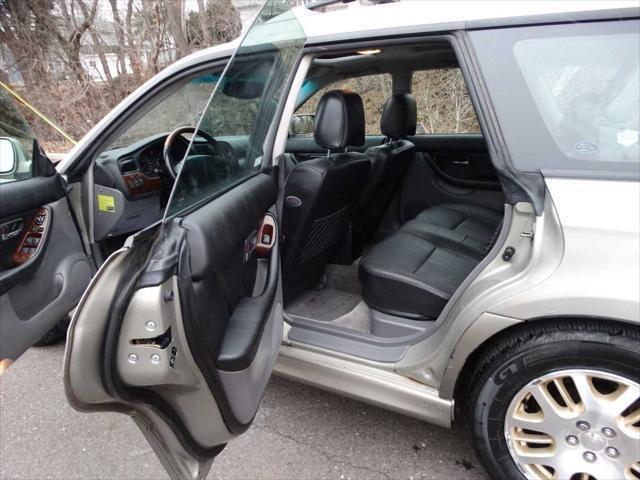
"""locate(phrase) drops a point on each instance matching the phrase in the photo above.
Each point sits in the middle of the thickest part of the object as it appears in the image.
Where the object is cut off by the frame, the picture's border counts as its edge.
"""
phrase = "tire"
(56, 334)
(547, 351)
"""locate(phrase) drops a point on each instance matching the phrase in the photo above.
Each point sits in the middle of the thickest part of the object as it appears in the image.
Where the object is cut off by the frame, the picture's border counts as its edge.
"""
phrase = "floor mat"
(338, 303)
(356, 319)
(323, 305)
(343, 277)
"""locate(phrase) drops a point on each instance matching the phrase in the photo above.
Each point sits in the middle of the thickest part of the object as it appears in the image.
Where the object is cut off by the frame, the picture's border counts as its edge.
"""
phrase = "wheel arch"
(457, 385)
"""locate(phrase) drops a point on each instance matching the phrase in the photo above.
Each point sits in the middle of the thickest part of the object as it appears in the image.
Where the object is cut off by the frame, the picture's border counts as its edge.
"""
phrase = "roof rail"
(315, 4)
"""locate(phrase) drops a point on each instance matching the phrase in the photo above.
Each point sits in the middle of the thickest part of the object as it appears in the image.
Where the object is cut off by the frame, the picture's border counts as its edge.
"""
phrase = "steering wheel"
(173, 164)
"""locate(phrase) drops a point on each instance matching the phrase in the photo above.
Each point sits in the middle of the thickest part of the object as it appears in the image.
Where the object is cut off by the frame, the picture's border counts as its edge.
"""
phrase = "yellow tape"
(106, 203)
(37, 112)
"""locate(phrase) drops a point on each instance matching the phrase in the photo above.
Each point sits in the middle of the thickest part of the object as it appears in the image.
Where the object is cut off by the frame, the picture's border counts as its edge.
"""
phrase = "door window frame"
(524, 186)
(111, 130)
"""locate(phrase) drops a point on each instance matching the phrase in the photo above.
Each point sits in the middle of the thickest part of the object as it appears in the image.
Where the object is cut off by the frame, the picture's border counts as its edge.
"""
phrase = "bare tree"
(132, 49)
(175, 10)
(119, 34)
(216, 21)
(204, 24)
(95, 38)
(52, 43)
(69, 37)
(22, 35)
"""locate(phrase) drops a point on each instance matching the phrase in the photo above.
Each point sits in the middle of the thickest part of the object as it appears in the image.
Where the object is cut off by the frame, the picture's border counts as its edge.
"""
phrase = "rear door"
(181, 327)
(43, 265)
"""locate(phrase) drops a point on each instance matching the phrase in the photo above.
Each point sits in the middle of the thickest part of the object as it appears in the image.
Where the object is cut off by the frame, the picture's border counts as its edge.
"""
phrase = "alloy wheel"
(576, 424)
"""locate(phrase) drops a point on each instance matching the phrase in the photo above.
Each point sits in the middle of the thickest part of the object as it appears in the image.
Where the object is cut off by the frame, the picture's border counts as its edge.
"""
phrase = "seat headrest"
(399, 116)
(339, 120)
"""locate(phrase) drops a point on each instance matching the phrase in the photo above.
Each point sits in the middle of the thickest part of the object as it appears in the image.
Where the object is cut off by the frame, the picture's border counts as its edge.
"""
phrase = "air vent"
(127, 165)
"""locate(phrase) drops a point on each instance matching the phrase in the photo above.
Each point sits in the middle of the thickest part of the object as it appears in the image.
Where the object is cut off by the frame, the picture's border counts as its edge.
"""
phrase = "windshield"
(241, 109)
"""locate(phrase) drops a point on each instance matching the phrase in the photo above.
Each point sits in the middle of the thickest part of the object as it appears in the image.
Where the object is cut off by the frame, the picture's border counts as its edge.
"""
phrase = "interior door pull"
(466, 163)
(266, 236)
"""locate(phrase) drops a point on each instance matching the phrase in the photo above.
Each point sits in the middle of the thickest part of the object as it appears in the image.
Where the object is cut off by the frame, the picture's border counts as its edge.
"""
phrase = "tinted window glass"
(242, 105)
(443, 102)
(567, 96)
(374, 90)
(179, 105)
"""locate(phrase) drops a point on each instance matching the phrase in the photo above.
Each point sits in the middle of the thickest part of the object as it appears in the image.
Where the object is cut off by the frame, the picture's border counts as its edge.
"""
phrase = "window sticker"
(106, 203)
(626, 138)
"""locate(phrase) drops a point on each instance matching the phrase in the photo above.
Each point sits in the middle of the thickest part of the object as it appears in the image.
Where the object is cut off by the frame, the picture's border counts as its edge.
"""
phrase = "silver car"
(430, 207)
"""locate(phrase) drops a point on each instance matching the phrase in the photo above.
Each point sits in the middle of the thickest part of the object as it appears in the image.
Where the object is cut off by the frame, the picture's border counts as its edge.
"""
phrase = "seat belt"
(286, 164)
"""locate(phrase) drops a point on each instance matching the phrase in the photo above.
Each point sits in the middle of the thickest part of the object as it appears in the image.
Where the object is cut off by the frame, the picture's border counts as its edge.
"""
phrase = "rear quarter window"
(567, 97)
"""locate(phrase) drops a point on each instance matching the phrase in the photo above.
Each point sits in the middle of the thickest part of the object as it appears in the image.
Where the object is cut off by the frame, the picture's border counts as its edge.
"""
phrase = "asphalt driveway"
(299, 433)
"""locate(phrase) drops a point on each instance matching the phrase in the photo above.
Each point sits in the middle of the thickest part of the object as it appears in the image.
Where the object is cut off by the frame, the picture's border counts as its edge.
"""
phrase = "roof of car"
(375, 20)
(421, 16)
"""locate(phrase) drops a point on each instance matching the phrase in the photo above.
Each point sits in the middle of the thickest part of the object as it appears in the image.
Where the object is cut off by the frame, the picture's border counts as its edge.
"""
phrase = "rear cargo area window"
(567, 96)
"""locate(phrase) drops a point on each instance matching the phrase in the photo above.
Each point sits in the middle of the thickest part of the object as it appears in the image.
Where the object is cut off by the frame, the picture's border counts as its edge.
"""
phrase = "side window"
(240, 112)
(587, 92)
(567, 97)
(180, 106)
(374, 90)
(443, 102)
(16, 142)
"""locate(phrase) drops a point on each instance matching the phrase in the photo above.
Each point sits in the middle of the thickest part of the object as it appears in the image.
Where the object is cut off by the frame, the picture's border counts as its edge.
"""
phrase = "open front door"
(43, 266)
(181, 327)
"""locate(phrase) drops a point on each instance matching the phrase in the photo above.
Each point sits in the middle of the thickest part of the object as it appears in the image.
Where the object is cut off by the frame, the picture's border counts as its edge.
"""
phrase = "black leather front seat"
(390, 162)
(319, 193)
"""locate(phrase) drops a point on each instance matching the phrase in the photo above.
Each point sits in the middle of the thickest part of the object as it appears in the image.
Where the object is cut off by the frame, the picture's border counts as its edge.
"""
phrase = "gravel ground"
(300, 432)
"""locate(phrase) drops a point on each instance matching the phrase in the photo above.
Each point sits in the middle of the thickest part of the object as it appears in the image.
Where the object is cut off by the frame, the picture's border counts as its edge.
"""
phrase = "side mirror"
(301, 125)
(8, 156)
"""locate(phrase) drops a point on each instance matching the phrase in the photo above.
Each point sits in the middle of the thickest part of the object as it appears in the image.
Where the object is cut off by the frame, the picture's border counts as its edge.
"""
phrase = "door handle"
(266, 236)
(464, 163)
(11, 229)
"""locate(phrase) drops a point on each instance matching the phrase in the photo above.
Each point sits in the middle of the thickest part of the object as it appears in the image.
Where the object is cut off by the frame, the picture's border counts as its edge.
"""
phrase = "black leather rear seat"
(413, 272)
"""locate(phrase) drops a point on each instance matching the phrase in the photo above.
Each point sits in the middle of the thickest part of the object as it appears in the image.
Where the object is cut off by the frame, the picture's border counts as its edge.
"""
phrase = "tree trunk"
(101, 56)
(204, 19)
(28, 46)
(174, 11)
(72, 48)
(119, 31)
(132, 49)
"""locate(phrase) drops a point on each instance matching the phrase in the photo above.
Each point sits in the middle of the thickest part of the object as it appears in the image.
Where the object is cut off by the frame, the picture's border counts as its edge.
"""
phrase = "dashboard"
(132, 185)
(137, 170)
(141, 173)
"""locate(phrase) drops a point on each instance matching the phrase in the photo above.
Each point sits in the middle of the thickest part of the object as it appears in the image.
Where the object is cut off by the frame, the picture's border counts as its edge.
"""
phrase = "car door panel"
(461, 159)
(44, 268)
(202, 365)
(16, 197)
(223, 280)
(181, 327)
(90, 384)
